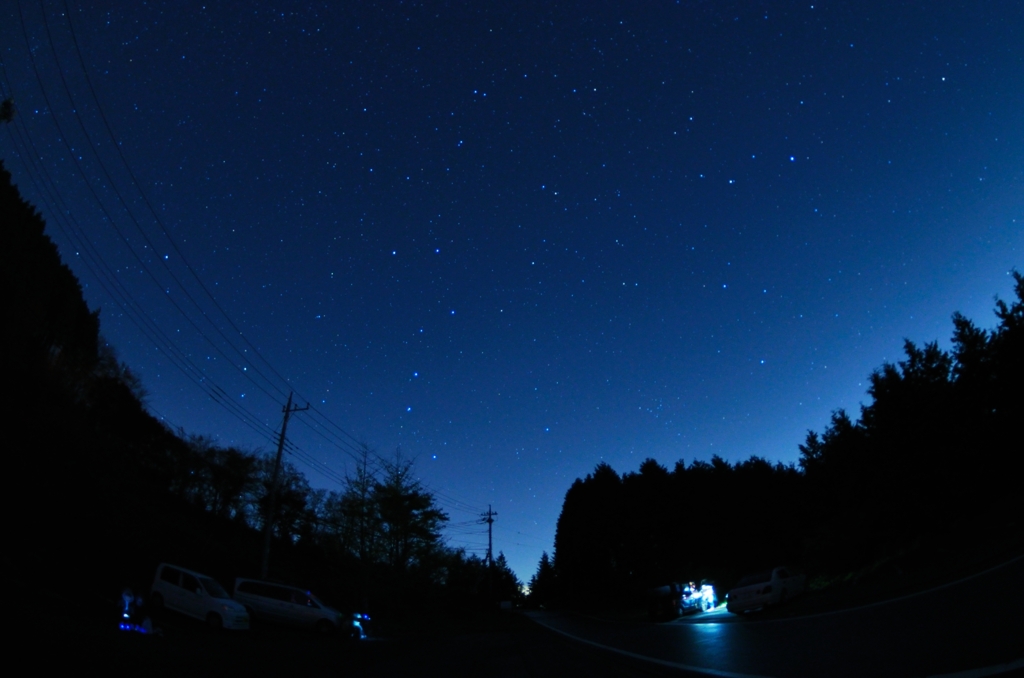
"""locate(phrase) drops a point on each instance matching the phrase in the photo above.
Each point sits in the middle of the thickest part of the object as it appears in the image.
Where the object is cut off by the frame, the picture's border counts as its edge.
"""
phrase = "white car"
(279, 603)
(196, 595)
(765, 588)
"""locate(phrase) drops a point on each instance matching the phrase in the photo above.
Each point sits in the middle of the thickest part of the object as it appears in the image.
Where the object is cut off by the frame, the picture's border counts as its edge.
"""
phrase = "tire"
(324, 628)
(215, 621)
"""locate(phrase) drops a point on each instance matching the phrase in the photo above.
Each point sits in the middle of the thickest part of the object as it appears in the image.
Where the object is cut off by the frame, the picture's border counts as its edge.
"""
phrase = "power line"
(115, 289)
(171, 240)
(523, 534)
(320, 424)
(117, 146)
(123, 302)
(340, 443)
(127, 209)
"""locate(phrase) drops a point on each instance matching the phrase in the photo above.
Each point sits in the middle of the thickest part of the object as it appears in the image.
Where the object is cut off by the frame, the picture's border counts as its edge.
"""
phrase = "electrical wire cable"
(321, 425)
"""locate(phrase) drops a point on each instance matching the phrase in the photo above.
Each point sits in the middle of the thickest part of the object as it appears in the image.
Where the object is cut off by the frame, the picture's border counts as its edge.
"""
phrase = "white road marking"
(987, 671)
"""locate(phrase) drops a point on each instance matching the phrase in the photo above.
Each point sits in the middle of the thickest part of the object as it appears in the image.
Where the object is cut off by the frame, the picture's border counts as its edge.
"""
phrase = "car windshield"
(213, 588)
(758, 578)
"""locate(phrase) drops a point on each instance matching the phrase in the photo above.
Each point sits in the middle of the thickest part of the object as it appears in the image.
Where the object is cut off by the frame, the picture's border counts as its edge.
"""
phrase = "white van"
(282, 604)
(196, 595)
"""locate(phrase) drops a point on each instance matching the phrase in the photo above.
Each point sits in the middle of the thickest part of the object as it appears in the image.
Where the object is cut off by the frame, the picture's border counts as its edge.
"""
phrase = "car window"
(758, 578)
(170, 575)
(300, 598)
(264, 590)
(255, 588)
(213, 588)
(279, 593)
(189, 583)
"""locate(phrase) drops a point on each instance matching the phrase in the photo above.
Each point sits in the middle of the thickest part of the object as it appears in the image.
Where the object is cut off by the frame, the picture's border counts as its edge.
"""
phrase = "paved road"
(977, 623)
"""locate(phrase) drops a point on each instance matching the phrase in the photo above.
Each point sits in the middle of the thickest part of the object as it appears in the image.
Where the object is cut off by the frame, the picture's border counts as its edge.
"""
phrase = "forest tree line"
(93, 479)
(96, 481)
(934, 457)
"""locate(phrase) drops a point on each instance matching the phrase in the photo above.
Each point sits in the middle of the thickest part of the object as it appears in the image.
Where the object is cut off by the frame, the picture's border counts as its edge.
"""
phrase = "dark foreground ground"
(497, 644)
(58, 635)
(77, 630)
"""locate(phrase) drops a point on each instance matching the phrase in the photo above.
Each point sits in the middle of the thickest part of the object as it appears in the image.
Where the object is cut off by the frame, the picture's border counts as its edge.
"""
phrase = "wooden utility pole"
(268, 523)
(489, 519)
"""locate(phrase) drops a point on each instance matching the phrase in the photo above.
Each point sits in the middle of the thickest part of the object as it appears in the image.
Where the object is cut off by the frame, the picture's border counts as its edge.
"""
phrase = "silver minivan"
(283, 604)
(196, 595)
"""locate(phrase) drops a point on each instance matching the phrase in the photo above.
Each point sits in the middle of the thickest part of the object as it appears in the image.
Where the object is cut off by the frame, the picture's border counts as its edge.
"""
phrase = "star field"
(521, 240)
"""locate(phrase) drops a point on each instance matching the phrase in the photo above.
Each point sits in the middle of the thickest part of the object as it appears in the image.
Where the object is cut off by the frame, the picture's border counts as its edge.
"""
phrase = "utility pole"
(269, 521)
(489, 519)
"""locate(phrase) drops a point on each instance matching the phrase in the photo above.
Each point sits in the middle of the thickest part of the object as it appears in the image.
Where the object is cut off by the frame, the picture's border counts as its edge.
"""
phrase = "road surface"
(974, 626)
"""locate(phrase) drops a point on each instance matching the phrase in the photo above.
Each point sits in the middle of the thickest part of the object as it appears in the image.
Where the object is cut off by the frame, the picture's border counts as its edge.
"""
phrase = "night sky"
(520, 239)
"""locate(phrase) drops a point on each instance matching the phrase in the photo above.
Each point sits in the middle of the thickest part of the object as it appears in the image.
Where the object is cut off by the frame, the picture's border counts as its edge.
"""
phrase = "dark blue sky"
(521, 240)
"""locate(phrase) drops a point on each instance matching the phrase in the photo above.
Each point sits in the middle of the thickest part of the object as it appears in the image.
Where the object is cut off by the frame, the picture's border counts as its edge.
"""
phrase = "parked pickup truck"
(765, 588)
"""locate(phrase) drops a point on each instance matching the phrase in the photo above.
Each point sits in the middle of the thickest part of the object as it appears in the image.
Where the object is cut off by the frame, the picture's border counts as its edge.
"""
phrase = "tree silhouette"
(101, 460)
(359, 514)
(50, 324)
(542, 583)
(410, 521)
(931, 452)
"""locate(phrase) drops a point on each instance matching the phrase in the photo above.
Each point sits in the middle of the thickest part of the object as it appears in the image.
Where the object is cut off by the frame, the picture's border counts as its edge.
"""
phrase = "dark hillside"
(98, 487)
